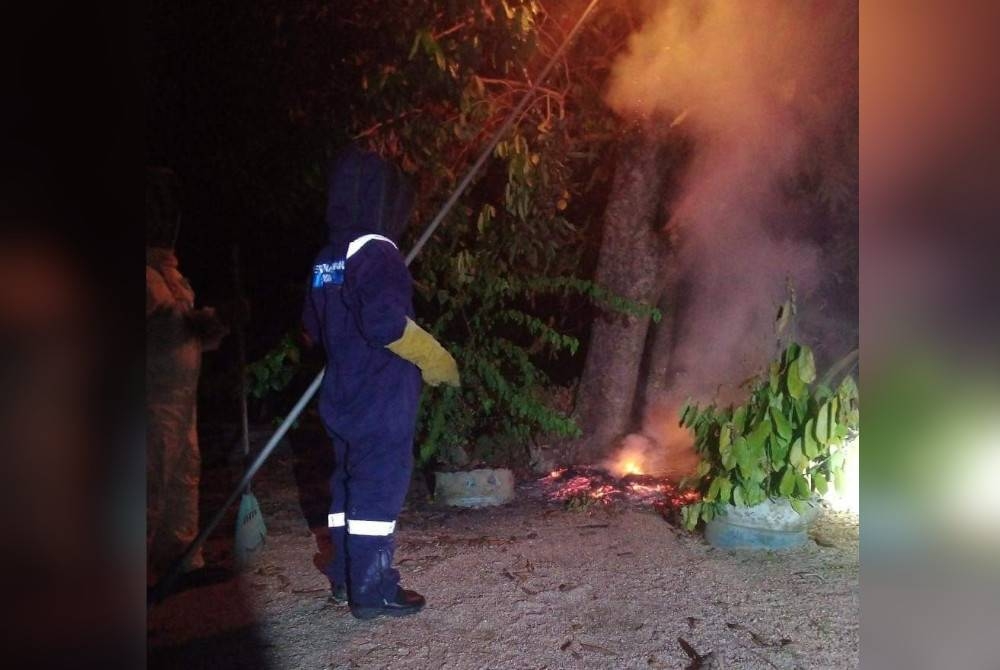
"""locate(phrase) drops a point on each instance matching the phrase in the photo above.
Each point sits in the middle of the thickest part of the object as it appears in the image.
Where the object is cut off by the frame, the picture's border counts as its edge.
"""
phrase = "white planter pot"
(474, 488)
(773, 524)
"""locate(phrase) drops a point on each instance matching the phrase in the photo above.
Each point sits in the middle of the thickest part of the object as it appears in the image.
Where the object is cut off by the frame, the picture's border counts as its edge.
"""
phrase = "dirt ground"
(528, 585)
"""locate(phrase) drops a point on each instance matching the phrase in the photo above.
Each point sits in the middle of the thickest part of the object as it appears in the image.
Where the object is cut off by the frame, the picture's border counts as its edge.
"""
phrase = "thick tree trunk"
(663, 335)
(659, 345)
(631, 264)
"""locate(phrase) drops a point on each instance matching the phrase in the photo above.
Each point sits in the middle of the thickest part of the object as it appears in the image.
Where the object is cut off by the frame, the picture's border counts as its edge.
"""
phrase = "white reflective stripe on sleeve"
(355, 246)
(336, 520)
(379, 528)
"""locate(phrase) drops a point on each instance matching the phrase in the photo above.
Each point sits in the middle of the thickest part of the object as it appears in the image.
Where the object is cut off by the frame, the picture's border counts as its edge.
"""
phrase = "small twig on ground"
(597, 648)
(316, 590)
(802, 573)
(697, 660)
(454, 28)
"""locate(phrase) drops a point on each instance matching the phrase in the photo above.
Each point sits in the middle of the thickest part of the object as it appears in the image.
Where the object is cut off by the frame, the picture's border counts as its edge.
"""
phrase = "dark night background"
(215, 116)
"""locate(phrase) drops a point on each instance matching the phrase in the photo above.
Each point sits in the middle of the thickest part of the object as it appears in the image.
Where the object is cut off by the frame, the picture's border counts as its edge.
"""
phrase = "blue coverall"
(358, 302)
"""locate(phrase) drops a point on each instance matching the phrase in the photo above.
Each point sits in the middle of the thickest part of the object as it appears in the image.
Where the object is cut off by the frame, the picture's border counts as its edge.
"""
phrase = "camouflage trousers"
(173, 472)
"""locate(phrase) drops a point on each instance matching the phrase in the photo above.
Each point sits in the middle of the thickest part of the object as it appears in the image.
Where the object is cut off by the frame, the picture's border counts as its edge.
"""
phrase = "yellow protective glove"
(420, 348)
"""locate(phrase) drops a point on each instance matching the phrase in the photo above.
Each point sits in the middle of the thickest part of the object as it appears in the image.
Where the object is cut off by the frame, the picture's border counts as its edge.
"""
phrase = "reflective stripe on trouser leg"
(336, 520)
(372, 528)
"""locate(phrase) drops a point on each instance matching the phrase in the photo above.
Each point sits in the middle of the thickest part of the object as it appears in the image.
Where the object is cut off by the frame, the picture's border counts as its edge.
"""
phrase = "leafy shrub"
(274, 370)
(270, 376)
(786, 441)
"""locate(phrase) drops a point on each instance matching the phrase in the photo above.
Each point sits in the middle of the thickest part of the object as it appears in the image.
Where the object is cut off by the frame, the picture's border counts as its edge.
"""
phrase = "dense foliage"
(786, 441)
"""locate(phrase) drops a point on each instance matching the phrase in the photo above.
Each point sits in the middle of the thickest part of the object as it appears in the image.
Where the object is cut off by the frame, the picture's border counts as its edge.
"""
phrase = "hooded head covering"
(366, 194)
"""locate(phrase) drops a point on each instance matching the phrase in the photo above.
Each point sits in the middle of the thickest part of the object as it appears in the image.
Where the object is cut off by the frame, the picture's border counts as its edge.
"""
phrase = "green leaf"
(774, 377)
(795, 455)
(704, 467)
(839, 482)
(427, 449)
(727, 457)
(743, 456)
(781, 425)
(740, 419)
(687, 414)
(787, 484)
(819, 481)
(738, 496)
(796, 388)
(825, 420)
(802, 489)
(757, 439)
(848, 389)
(806, 366)
(690, 515)
(791, 353)
(779, 453)
(810, 446)
(713, 490)
(754, 495)
(800, 506)
(725, 435)
(725, 489)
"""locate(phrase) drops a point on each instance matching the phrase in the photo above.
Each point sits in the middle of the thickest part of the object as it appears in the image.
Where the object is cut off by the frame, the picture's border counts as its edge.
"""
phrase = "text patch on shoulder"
(328, 273)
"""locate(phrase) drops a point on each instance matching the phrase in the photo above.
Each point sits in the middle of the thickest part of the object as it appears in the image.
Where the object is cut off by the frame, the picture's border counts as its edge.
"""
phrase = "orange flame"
(631, 467)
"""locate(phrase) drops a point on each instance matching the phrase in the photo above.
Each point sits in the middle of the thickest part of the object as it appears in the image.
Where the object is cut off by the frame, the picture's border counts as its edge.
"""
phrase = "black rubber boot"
(405, 603)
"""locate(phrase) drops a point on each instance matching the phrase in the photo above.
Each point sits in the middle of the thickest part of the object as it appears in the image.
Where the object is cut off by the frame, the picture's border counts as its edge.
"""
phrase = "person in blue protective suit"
(359, 306)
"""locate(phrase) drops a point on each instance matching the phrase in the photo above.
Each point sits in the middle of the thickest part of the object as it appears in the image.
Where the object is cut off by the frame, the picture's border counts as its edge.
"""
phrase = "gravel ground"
(527, 585)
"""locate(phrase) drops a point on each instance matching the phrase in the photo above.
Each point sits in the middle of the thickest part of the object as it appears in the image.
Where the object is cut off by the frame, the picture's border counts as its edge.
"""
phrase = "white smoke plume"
(757, 86)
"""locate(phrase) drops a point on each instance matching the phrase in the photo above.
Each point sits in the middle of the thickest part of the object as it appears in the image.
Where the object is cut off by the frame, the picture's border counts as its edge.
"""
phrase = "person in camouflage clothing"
(176, 335)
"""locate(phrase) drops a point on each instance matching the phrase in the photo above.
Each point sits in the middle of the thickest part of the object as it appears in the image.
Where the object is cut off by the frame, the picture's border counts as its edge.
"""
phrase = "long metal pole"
(164, 586)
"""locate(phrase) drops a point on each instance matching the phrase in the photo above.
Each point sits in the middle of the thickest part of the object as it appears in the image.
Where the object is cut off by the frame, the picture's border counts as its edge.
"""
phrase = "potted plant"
(765, 463)
(471, 459)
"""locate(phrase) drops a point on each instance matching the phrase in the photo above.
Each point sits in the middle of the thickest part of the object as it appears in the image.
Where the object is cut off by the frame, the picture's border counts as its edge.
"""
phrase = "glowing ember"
(585, 486)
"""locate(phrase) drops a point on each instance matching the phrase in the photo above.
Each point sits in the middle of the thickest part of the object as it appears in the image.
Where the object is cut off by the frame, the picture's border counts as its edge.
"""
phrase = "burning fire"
(631, 467)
